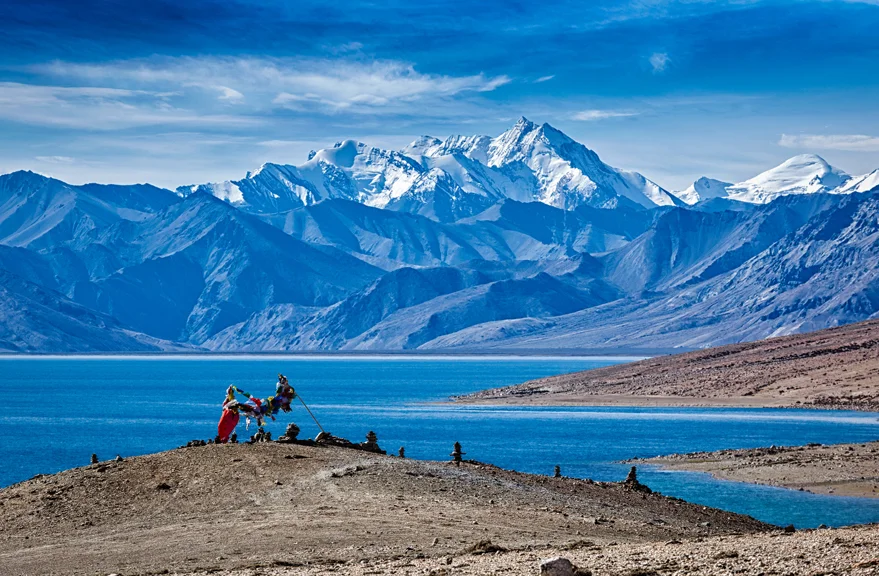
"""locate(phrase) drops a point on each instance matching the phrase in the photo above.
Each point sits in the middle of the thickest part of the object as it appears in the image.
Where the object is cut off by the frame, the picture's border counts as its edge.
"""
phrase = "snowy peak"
(803, 174)
(865, 183)
(473, 147)
(703, 189)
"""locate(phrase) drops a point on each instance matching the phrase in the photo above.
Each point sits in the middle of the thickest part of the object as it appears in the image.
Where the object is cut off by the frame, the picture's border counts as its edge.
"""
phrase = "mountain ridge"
(525, 241)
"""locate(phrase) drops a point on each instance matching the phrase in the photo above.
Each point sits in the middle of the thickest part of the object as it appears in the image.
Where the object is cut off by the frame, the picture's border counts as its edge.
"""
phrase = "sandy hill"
(834, 368)
(287, 507)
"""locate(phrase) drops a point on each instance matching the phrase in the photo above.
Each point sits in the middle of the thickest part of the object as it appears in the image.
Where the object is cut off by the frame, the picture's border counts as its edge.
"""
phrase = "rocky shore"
(842, 469)
(836, 368)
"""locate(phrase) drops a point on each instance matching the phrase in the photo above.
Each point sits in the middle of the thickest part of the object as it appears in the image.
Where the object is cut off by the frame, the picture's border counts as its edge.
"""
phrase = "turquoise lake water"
(61, 410)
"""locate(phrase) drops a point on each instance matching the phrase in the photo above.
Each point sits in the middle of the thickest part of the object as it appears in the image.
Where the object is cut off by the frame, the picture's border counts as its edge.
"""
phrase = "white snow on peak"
(228, 191)
(803, 174)
(703, 189)
(864, 183)
(528, 162)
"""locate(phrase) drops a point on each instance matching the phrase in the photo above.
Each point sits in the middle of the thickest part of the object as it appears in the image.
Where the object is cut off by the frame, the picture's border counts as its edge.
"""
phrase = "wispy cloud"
(592, 115)
(544, 79)
(315, 84)
(230, 94)
(849, 142)
(101, 108)
(659, 61)
(55, 159)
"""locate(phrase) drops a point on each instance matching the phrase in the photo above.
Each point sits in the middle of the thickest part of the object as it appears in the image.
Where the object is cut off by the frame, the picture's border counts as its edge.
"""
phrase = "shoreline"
(836, 368)
(622, 357)
(849, 469)
(636, 401)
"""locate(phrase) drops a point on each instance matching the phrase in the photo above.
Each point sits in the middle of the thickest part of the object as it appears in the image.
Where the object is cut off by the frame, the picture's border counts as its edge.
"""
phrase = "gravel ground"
(827, 552)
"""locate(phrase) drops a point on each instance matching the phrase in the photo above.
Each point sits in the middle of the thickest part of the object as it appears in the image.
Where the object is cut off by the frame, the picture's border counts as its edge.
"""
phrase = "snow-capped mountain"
(528, 163)
(558, 170)
(704, 189)
(863, 183)
(803, 174)
(526, 240)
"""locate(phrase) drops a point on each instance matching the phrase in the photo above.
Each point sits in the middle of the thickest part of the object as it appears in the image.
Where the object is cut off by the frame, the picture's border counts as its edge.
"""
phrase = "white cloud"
(55, 159)
(592, 115)
(849, 142)
(544, 79)
(101, 108)
(230, 94)
(325, 84)
(659, 61)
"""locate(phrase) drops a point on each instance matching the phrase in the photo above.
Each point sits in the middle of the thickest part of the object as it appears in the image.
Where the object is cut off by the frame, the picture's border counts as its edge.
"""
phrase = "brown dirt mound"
(222, 507)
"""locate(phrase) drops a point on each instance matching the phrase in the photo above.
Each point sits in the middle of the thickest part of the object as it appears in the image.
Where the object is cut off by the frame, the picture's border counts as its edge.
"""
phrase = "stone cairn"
(290, 435)
(457, 454)
(632, 482)
(371, 444)
(402, 452)
(261, 436)
(94, 458)
(558, 472)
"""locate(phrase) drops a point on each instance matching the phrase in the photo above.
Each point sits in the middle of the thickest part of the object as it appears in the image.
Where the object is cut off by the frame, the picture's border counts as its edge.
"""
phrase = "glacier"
(523, 241)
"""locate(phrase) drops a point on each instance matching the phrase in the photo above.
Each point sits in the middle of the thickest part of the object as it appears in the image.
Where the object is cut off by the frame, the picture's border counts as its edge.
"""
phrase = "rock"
(790, 529)
(632, 482)
(371, 444)
(119, 458)
(402, 452)
(94, 458)
(290, 434)
(558, 472)
(163, 487)
(457, 454)
(484, 547)
(561, 567)
(632, 477)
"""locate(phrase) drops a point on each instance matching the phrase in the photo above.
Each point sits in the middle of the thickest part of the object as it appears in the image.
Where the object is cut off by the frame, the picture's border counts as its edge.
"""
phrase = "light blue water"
(60, 410)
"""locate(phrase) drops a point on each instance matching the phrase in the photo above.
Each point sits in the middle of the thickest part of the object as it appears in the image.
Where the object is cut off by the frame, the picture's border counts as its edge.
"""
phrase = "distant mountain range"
(523, 241)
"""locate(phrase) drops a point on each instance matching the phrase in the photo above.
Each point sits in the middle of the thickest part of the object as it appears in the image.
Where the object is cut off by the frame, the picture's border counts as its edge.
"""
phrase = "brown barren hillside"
(834, 368)
(288, 508)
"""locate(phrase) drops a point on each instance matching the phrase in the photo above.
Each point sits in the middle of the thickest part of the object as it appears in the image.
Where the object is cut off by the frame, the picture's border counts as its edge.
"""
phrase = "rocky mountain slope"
(525, 241)
(833, 368)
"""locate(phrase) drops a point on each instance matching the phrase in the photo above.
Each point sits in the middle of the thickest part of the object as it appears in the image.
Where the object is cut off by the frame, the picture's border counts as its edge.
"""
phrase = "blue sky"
(177, 92)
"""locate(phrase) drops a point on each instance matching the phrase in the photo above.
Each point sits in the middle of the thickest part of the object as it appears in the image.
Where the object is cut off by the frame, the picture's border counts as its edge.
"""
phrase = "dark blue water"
(60, 410)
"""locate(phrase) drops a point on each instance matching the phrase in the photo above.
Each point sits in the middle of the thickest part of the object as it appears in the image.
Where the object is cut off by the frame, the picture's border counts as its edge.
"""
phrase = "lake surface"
(61, 410)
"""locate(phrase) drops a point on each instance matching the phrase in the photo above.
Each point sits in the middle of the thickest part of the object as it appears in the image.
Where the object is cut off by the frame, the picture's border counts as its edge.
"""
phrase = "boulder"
(559, 566)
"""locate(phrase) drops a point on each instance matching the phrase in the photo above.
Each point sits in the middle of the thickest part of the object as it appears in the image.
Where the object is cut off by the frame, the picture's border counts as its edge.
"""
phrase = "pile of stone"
(371, 444)
(632, 482)
(290, 435)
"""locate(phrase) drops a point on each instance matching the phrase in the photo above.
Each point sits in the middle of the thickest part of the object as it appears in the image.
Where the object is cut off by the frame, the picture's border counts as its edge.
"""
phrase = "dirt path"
(842, 469)
(245, 506)
(835, 368)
